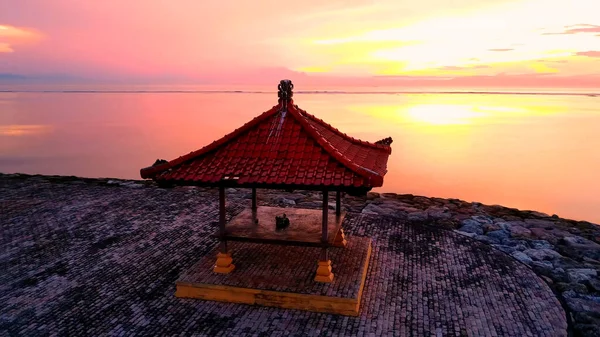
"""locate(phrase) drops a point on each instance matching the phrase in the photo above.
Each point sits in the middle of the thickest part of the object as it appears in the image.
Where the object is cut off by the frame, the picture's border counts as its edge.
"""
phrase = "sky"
(354, 42)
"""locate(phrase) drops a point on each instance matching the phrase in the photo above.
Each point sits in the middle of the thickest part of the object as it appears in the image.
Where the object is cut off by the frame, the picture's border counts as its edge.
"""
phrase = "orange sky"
(362, 42)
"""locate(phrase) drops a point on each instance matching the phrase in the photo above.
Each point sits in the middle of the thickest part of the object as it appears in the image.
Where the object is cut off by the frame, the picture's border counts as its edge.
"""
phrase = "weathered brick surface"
(104, 260)
(285, 268)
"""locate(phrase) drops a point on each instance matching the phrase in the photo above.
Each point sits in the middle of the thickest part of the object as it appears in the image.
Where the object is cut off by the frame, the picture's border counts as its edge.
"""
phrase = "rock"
(505, 249)
(482, 219)
(542, 254)
(486, 239)
(296, 196)
(521, 257)
(131, 184)
(439, 213)
(552, 235)
(589, 330)
(581, 274)
(544, 265)
(418, 216)
(471, 226)
(519, 232)
(539, 214)
(284, 201)
(490, 227)
(579, 242)
(372, 195)
(231, 190)
(569, 294)
(593, 284)
(465, 233)
(576, 287)
(590, 304)
(112, 182)
(558, 274)
(372, 209)
(498, 235)
(540, 244)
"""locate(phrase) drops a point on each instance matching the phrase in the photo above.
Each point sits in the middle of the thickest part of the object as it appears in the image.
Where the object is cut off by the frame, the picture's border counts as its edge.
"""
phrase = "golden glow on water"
(529, 152)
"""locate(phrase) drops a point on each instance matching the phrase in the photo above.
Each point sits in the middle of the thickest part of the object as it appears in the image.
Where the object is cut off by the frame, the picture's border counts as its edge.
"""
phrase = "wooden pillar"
(324, 273)
(254, 198)
(338, 203)
(325, 220)
(340, 238)
(223, 264)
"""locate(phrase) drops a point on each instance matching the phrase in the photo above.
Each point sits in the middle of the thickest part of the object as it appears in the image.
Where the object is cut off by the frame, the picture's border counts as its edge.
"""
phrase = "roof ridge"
(374, 177)
(376, 145)
(149, 172)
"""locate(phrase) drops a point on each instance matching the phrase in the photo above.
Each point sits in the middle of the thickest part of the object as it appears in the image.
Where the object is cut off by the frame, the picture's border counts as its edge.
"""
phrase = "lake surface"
(539, 152)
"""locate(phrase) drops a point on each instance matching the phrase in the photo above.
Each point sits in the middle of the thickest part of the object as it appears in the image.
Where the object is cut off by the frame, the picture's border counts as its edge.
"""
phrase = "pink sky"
(356, 42)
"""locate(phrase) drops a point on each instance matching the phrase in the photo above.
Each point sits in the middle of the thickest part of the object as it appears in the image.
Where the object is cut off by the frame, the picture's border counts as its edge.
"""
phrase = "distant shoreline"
(308, 92)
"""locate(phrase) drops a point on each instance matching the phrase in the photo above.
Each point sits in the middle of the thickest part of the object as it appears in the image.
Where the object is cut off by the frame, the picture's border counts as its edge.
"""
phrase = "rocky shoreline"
(565, 253)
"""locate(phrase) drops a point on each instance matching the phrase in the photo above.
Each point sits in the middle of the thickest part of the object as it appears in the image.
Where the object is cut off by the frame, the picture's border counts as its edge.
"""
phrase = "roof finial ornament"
(285, 90)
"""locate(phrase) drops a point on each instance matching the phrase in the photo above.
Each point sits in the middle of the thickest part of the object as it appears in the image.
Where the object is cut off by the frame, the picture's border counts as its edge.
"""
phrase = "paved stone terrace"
(81, 258)
(286, 268)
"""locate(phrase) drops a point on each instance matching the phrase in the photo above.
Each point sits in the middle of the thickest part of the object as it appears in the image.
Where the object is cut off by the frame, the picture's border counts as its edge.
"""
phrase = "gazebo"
(282, 148)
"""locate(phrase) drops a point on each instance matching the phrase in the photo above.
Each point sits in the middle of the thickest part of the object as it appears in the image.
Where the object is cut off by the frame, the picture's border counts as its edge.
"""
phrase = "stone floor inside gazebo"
(283, 276)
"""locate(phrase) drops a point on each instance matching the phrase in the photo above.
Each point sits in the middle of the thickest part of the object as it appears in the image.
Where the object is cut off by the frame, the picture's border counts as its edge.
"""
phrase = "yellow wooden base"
(287, 300)
(223, 264)
(340, 239)
(324, 273)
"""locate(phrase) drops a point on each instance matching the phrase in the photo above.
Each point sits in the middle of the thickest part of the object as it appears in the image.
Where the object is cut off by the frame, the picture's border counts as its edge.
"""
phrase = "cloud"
(5, 48)
(11, 36)
(501, 49)
(576, 29)
(481, 66)
(591, 53)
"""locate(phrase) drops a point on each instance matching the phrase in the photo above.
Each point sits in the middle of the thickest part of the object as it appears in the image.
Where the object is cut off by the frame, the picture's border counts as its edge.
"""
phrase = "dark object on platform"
(285, 90)
(281, 222)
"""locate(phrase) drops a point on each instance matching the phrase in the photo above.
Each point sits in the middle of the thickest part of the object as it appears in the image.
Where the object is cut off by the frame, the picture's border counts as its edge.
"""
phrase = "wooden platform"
(304, 229)
(280, 276)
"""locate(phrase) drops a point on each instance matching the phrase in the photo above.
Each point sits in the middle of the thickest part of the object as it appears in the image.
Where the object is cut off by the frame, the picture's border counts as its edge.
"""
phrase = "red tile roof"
(291, 148)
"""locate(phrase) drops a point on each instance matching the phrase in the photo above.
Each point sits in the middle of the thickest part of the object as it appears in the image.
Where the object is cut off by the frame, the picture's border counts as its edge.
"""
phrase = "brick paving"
(85, 259)
(286, 268)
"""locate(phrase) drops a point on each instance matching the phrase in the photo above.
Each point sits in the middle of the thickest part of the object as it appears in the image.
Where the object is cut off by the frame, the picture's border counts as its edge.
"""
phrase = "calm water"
(527, 151)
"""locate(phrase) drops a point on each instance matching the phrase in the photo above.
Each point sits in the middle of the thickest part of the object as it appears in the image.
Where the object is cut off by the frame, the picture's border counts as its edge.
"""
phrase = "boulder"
(542, 254)
(540, 244)
(519, 232)
(418, 216)
(486, 239)
(471, 226)
(498, 235)
(593, 284)
(544, 266)
(552, 235)
(589, 304)
(540, 223)
(439, 213)
(521, 257)
(465, 233)
(373, 209)
(490, 227)
(505, 249)
(284, 201)
(372, 195)
(482, 219)
(577, 287)
(581, 274)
